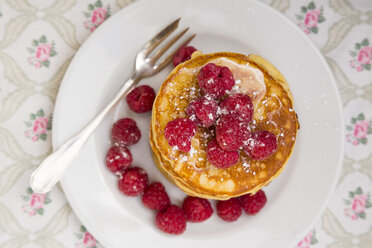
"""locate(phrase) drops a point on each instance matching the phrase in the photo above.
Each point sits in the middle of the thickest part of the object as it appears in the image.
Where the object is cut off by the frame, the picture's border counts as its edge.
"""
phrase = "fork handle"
(51, 170)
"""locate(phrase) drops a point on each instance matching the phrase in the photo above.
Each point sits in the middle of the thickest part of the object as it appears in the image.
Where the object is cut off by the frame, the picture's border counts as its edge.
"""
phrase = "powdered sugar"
(246, 166)
(192, 152)
(183, 158)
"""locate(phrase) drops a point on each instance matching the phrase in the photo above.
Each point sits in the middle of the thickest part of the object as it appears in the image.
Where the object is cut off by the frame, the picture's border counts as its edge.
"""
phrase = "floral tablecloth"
(38, 38)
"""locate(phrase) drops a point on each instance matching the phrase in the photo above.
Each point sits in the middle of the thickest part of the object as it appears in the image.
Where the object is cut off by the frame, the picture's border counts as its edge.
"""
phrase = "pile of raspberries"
(235, 113)
(229, 115)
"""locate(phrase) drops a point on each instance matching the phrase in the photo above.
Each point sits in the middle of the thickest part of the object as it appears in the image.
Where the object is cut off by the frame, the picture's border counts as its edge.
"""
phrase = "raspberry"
(125, 132)
(183, 54)
(155, 197)
(118, 158)
(215, 80)
(197, 209)
(252, 204)
(134, 181)
(229, 210)
(221, 158)
(141, 98)
(260, 145)
(171, 220)
(204, 111)
(238, 104)
(231, 132)
(179, 133)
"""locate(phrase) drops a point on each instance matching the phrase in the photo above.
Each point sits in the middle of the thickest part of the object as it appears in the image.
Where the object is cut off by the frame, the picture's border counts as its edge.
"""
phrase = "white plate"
(295, 199)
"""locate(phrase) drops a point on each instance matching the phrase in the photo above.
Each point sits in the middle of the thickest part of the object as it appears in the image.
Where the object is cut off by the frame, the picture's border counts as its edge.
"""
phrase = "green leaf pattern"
(359, 130)
(361, 56)
(82, 235)
(95, 15)
(357, 204)
(34, 203)
(310, 18)
(38, 126)
(41, 52)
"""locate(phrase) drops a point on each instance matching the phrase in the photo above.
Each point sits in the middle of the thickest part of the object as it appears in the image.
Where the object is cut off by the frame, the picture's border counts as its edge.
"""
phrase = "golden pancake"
(273, 111)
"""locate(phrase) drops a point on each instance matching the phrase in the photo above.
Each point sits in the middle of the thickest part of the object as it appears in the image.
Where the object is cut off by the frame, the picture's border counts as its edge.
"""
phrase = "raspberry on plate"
(179, 133)
(260, 145)
(219, 157)
(125, 132)
(183, 54)
(171, 220)
(141, 99)
(231, 132)
(229, 210)
(252, 204)
(238, 104)
(118, 158)
(155, 197)
(215, 81)
(197, 209)
(134, 181)
(204, 110)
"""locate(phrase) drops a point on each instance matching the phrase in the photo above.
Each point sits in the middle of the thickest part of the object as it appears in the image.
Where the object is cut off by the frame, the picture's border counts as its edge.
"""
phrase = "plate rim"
(84, 46)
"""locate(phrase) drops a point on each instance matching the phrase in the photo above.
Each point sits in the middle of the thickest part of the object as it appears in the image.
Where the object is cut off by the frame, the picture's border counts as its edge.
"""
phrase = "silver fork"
(51, 170)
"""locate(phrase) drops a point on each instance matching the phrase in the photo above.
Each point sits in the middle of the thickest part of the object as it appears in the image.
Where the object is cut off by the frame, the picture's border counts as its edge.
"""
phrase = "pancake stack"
(273, 111)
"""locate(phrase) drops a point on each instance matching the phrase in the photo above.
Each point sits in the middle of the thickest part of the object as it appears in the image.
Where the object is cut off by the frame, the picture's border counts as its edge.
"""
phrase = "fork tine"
(168, 59)
(163, 34)
(161, 51)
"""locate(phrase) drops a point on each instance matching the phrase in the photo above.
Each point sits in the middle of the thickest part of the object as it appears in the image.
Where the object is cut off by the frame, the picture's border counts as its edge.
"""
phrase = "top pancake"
(191, 171)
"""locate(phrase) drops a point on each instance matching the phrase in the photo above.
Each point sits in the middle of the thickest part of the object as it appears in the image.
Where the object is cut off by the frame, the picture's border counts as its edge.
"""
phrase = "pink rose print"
(365, 55)
(361, 56)
(309, 18)
(37, 201)
(41, 52)
(305, 243)
(308, 240)
(358, 130)
(85, 239)
(96, 15)
(34, 203)
(361, 129)
(89, 241)
(357, 204)
(38, 125)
